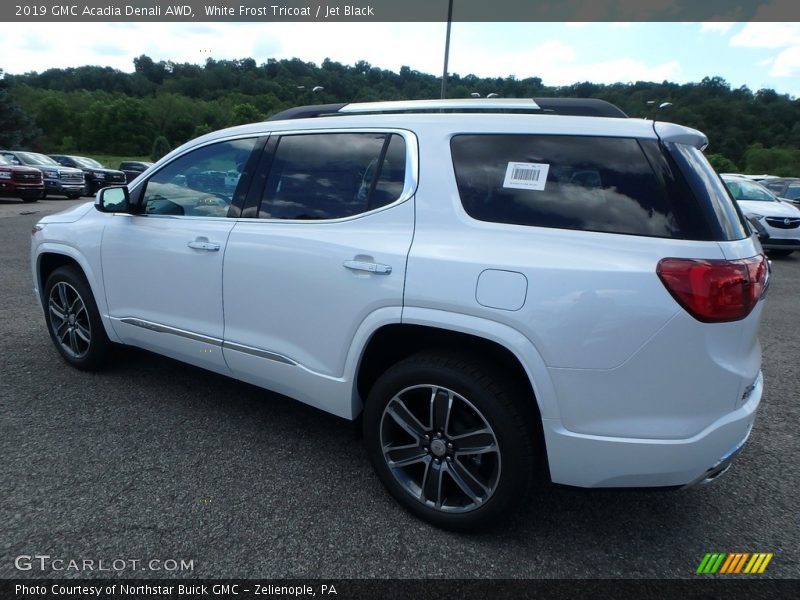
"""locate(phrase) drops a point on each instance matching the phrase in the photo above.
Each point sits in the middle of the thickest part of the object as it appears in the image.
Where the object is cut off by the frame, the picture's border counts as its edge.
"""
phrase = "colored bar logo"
(731, 563)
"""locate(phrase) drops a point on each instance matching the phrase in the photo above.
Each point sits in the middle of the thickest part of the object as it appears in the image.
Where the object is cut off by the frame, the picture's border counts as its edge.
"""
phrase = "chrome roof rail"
(583, 107)
(482, 104)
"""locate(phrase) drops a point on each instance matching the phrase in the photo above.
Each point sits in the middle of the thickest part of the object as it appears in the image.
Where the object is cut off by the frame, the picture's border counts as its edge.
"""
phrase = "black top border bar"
(192, 11)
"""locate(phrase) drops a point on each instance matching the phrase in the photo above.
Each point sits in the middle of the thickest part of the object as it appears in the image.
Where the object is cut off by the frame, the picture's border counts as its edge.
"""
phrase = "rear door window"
(324, 176)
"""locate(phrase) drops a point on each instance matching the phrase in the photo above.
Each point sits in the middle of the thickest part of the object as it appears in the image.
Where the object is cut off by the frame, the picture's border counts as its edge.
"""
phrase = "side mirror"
(113, 200)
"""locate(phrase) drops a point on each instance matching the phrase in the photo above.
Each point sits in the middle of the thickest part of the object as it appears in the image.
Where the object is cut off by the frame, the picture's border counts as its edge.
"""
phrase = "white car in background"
(780, 220)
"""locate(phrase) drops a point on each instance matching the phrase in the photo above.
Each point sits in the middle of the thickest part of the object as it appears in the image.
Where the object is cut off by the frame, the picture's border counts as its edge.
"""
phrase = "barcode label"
(526, 176)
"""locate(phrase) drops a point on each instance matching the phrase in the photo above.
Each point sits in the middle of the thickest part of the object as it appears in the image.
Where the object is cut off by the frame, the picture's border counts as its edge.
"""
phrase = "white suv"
(487, 285)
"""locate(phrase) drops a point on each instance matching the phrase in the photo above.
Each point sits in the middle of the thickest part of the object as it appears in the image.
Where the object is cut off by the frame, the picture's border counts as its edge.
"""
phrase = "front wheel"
(451, 440)
(779, 252)
(74, 321)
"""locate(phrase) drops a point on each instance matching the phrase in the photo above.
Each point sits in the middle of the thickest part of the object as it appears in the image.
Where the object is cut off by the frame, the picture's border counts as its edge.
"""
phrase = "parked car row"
(787, 188)
(95, 174)
(31, 175)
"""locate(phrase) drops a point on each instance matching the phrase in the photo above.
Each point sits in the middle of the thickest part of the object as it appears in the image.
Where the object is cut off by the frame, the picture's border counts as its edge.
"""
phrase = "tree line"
(162, 104)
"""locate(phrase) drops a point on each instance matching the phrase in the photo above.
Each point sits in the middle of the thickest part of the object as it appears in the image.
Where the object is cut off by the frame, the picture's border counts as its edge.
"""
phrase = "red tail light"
(715, 291)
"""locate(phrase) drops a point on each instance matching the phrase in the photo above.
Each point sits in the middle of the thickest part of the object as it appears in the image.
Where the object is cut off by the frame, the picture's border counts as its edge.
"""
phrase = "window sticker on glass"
(526, 176)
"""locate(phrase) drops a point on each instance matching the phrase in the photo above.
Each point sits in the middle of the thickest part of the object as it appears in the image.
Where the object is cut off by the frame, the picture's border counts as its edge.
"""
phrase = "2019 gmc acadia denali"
(486, 284)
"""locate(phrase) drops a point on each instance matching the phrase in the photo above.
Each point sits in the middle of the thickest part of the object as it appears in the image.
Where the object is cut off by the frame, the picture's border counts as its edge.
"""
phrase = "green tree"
(105, 109)
(784, 162)
(160, 148)
(17, 129)
(722, 164)
(245, 113)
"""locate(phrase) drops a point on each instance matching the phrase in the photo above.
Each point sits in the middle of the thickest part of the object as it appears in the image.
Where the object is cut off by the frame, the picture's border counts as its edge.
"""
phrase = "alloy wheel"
(69, 320)
(440, 448)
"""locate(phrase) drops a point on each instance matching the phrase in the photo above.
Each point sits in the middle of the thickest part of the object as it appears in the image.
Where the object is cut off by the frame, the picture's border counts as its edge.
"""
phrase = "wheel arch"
(502, 345)
(50, 257)
(49, 261)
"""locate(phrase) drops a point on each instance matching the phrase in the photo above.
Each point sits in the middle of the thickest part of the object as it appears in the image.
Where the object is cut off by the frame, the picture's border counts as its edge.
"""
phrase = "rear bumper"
(595, 461)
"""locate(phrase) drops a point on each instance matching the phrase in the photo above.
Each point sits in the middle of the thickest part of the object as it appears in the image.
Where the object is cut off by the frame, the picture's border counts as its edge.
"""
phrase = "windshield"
(741, 189)
(4, 160)
(89, 163)
(32, 158)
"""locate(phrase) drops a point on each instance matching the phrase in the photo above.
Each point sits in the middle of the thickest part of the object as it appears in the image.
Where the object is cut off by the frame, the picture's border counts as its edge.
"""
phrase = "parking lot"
(154, 459)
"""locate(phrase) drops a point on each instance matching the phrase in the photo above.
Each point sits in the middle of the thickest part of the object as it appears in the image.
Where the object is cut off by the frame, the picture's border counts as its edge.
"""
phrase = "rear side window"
(334, 175)
(589, 183)
(567, 182)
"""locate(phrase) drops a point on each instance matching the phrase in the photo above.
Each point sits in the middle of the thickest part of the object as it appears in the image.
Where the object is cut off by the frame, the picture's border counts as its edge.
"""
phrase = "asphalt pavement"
(154, 460)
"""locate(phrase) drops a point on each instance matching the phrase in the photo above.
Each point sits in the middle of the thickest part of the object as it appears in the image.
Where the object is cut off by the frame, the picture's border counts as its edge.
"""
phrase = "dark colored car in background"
(784, 187)
(133, 168)
(97, 176)
(64, 181)
(20, 182)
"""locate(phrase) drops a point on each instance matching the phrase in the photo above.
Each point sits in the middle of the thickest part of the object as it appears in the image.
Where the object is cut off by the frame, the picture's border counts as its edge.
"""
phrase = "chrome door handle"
(201, 245)
(369, 267)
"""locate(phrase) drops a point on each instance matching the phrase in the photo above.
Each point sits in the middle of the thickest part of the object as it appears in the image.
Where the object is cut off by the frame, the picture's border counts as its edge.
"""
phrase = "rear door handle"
(203, 244)
(369, 267)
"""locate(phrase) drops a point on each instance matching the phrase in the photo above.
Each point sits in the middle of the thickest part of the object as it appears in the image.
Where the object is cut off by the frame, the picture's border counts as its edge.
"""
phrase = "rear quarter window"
(588, 183)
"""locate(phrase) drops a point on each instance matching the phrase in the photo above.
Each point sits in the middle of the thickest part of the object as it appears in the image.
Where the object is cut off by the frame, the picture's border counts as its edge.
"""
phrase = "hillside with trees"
(162, 104)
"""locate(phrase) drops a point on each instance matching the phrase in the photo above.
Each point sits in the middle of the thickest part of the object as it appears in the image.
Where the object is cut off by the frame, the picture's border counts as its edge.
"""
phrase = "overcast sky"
(758, 55)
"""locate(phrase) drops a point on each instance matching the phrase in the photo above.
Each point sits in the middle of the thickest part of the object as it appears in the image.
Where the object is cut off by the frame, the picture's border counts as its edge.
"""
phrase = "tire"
(438, 478)
(73, 196)
(73, 320)
(779, 252)
(28, 199)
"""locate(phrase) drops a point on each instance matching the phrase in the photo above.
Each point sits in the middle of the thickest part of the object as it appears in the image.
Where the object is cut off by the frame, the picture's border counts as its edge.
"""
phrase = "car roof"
(459, 123)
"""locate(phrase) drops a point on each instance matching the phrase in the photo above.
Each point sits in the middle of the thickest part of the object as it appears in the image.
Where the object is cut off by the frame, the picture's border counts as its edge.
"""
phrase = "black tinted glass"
(710, 192)
(333, 175)
(568, 182)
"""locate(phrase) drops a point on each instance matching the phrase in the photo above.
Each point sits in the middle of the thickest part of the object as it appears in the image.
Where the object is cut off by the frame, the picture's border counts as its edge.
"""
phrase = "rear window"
(589, 183)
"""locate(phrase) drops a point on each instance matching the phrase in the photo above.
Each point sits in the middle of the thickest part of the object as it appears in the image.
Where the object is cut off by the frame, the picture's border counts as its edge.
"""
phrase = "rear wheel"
(451, 440)
(74, 321)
